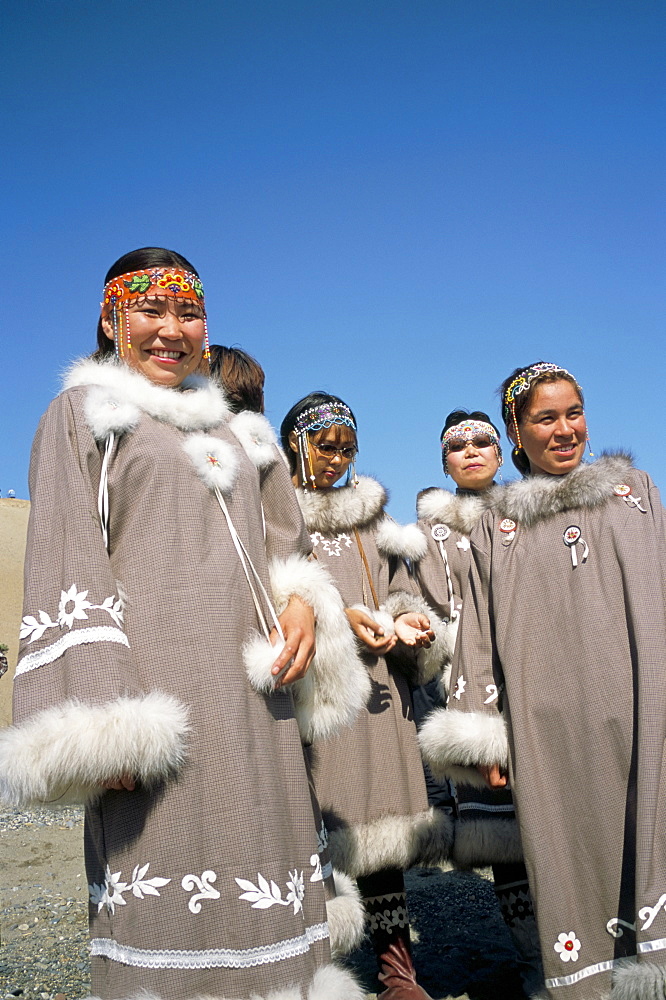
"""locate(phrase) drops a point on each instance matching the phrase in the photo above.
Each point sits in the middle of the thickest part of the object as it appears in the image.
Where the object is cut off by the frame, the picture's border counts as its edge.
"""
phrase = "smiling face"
(167, 338)
(331, 452)
(553, 429)
(472, 464)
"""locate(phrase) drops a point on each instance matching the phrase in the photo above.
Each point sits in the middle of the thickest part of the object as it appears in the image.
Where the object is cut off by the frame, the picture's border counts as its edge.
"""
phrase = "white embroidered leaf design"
(111, 892)
(72, 607)
(317, 875)
(262, 895)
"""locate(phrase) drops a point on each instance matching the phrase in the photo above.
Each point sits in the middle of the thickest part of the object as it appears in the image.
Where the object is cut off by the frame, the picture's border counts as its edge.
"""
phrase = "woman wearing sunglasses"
(369, 780)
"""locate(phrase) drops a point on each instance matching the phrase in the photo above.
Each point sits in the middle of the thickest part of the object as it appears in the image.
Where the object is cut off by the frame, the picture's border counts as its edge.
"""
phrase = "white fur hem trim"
(336, 686)
(256, 436)
(346, 916)
(452, 740)
(62, 755)
(392, 842)
(406, 541)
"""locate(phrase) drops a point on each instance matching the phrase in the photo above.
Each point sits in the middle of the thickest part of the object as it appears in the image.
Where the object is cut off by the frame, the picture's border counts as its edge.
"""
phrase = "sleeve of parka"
(471, 730)
(336, 686)
(79, 717)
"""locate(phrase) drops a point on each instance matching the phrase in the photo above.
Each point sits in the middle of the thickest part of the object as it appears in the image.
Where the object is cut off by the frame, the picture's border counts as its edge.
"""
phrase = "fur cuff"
(481, 842)
(346, 916)
(641, 981)
(454, 743)
(337, 686)
(392, 842)
(434, 661)
(63, 754)
(406, 541)
(381, 616)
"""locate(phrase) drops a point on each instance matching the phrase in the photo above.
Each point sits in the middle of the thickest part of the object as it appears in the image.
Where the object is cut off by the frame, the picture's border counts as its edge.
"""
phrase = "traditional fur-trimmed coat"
(485, 828)
(369, 778)
(208, 878)
(564, 629)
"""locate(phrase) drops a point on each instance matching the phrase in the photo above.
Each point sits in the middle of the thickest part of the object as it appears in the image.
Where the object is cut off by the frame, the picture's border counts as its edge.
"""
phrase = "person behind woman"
(156, 537)
(240, 375)
(485, 828)
(561, 663)
(369, 779)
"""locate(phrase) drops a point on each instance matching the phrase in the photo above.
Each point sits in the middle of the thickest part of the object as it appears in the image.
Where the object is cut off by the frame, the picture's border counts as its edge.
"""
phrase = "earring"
(114, 321)
(206, 352)
(519, 443)
(352, 478)
(589, 446)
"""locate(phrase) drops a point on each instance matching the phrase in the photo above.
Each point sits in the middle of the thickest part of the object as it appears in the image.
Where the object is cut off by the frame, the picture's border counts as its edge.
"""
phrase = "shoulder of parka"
(460, 513)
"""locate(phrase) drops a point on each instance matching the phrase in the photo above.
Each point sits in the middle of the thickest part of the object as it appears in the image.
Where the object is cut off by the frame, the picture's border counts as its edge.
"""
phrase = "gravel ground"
(461, 946)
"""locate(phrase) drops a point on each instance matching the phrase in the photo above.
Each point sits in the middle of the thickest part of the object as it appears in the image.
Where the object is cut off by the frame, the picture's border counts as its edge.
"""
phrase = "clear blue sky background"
(394, 201)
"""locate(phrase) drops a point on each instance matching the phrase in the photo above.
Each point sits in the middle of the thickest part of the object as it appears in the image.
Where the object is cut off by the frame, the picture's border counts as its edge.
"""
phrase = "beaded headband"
(318, 418)
(469, 429)
(164, 281)
(523, 381)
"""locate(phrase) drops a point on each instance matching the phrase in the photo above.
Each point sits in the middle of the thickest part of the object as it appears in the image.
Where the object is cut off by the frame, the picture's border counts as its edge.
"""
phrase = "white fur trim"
(381, 616)
(259, 656)
(392, 842)
(481, 842)
(328, 983)
(537, 497)
(197, 405)
(638, 981)
(337, 686)
(346, 916)
(406, 541)
(460, 513)
(431, 662)
(63, 754)
(343, 508)
(455, 743)
(222, 471)
(256, 436)
(104, 414)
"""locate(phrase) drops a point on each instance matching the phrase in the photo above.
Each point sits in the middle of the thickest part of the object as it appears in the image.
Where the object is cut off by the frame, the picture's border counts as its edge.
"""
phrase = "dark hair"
(522, 401)
(240, 375)
(137, 260)
(289, 422)
(456, 417)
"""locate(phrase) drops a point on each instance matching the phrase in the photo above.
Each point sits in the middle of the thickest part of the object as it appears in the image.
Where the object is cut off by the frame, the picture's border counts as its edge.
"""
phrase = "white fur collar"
(256, 436)
(118, 394)
(460, 513)
(334, 510)
(537, 497)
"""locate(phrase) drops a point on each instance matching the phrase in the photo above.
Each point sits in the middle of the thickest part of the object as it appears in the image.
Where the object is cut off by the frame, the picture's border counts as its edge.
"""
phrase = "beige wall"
(13, 528)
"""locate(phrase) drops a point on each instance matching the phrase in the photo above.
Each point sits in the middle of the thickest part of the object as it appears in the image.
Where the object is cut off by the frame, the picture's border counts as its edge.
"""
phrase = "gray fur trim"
(460, 513)
(638, 981)
(345, 915)
(63, 755)
(339, 509)
(392, 842)
(406, 541)
(481, 842)
(452, 740)
(197, 405)
(537, 497)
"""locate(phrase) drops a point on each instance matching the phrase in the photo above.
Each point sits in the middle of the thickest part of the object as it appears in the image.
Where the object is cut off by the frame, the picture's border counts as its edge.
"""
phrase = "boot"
(398, 974)
(515, 900)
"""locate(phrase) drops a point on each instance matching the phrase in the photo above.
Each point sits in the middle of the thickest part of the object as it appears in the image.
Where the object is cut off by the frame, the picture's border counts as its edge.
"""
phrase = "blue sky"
(397, 202)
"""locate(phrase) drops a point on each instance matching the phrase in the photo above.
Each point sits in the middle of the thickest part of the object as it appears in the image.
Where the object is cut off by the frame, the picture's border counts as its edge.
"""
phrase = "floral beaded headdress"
(521, 383)
(319, 418)
(169, 282)
(468, 430)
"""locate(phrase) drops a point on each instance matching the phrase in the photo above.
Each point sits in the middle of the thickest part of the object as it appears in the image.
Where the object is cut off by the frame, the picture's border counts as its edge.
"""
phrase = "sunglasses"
(330, 451)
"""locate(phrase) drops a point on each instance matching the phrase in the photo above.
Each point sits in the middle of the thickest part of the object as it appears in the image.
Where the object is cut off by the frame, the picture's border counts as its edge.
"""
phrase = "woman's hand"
(125, 783)
(413, 629)
(298, 624)
(492, 775)
(370, 632)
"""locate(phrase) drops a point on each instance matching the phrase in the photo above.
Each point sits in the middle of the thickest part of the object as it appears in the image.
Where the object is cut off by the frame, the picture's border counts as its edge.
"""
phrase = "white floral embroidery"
(322, 838)
(317, 875)
(648, 913)
(567, 946)
(463, 543)
(385, 920)
(206, 890)
(461, 684)
(262, 895)
(331, 546)
(110, 892)
(73, 605)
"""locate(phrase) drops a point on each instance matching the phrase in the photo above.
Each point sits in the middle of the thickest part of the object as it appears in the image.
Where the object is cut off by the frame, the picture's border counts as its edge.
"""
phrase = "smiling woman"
(168, 627)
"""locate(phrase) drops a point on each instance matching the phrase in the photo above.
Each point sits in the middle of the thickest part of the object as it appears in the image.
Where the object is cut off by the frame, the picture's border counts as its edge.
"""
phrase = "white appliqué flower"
(296, 890)
(262, 895)
(463, 543)
(461, 684)
(567, 946)
(81, 605)
(110, 893)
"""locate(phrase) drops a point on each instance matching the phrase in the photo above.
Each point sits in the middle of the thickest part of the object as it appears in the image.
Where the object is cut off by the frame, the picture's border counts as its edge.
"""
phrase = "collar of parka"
(460, 513)
(343, 508)
(538, 497)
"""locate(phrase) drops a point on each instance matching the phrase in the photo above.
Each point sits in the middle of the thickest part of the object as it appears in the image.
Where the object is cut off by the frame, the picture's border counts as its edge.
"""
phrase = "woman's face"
(167, 338)
(331, 452)
(553, 429)
(472, 464)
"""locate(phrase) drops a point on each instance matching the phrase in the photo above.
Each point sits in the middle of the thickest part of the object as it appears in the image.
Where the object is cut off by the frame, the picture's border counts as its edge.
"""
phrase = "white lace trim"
(99, 633)
(212, 958)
